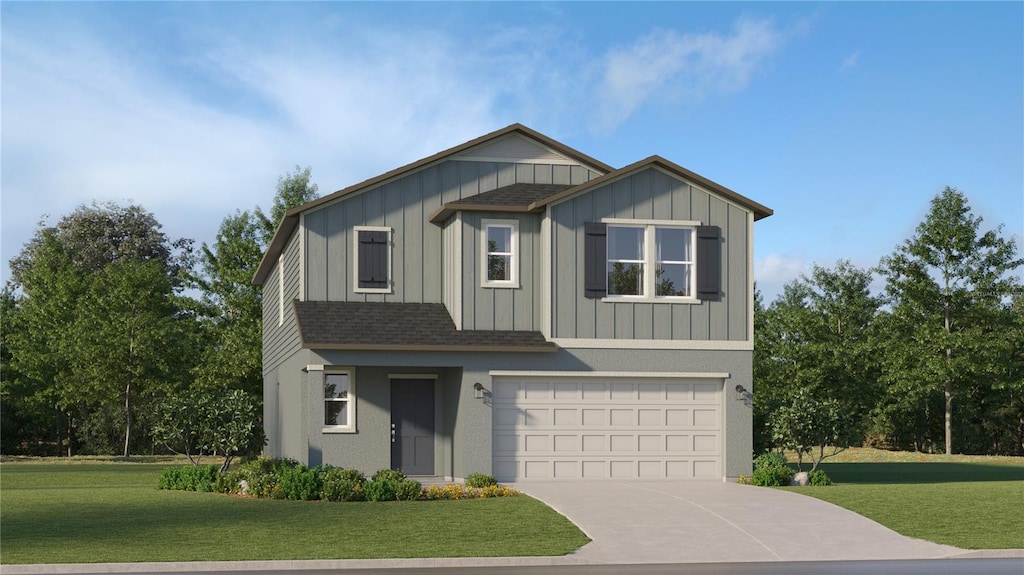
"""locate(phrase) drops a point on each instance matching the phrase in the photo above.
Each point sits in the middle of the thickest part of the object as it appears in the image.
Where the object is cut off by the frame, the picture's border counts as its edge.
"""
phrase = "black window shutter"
(595, 260)
(373, 259)
(709, 263)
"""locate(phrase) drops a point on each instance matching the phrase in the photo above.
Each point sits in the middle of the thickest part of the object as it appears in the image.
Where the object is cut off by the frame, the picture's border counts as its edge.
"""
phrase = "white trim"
(315, 367)
(627, 374)
(412, 376)
(681, 344)
(280, 289)
(545, 274)
(355, 259)
(515, 254)
(642, 222)
(302, 256)
(457, 279)
(350, 401)
(750, 276)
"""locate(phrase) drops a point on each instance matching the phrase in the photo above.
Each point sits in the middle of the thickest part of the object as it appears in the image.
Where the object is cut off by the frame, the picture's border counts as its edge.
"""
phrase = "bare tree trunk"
(949, 384)
(128, 414)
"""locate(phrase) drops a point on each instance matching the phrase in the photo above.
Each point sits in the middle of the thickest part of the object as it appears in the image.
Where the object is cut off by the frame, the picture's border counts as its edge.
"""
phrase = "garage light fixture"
(741, 392)
(478, 389)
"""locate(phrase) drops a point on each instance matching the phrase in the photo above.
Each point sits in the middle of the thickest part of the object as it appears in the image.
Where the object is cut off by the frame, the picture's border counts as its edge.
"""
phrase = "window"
(652, 260)
(373, 259)
(339, 401)
(500, 265)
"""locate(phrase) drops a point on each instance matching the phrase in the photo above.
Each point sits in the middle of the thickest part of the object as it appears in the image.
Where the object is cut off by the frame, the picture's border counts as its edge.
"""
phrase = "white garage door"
(607, 428)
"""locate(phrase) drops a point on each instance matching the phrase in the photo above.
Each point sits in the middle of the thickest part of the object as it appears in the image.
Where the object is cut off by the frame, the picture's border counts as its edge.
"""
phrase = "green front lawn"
(963, 501)
(95, 513)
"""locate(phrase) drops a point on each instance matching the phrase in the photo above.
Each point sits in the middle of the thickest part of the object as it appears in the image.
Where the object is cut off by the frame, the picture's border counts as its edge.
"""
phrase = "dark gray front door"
(412, 426)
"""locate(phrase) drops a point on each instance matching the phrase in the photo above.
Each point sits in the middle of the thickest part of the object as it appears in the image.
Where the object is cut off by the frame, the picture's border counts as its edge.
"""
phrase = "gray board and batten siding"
(404, 205)
(281, 338)
(649, 194)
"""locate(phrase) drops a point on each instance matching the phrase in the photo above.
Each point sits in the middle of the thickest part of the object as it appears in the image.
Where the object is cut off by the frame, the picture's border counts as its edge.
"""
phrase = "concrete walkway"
(705, 521)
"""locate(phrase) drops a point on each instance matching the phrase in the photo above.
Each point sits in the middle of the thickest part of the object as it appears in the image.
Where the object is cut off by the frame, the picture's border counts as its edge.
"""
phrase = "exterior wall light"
(478, 390)
(741, 392)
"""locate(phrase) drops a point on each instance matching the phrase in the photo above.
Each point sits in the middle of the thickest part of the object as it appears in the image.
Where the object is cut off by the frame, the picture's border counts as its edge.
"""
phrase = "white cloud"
(775, 271)
(850, 61)
(693, 66)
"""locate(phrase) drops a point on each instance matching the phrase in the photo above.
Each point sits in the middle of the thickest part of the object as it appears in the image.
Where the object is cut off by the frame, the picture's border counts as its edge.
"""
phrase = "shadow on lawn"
(921, 472)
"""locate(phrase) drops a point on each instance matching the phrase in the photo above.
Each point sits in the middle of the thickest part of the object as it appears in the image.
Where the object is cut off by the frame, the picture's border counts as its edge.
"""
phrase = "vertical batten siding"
(418, 266)
(649, 194)
(279, 342)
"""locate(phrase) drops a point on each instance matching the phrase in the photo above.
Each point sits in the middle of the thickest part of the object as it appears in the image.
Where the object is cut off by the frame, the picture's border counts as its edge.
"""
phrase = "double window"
(373, 259)
(339, 401)
(652, 260)
(500, 253)
(646, 260)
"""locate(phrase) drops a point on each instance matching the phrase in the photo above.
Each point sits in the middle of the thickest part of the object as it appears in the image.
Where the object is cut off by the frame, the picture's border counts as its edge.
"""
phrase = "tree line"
(115, 339)
(933, 363)
(105, 321)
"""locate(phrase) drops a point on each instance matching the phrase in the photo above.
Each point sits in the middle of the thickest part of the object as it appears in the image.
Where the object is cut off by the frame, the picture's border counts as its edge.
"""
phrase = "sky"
(845, 118)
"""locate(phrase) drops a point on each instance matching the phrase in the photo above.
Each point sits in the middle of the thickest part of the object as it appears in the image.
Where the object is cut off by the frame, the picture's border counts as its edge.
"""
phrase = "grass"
(103, 512)
(971, 502)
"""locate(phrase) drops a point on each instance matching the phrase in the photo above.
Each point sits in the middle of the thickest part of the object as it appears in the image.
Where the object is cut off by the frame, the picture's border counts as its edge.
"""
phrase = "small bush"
(228, 483)
(454, 491)
(300, 483)
(189, 478)
(342, 484)
(408, 490)
(743, 480)
(389, 475)
(262, 475)
(819, 478)
(380, 490)
(770, 470)
(497, 491)
(480, 480)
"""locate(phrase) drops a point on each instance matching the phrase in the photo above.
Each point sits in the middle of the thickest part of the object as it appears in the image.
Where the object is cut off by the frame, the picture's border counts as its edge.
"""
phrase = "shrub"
(389, 475)
(189, 478)
(497, 491)
(408, 490)
(380, 490)
(480, 480)
(342, 484)
(300, 483)
(819, 478)
(228, 482)
(770, 470)
(263, 473)
(455, 491)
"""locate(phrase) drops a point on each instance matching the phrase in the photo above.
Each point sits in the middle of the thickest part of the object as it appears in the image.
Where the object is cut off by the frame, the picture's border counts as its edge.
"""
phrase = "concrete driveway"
(705, 521)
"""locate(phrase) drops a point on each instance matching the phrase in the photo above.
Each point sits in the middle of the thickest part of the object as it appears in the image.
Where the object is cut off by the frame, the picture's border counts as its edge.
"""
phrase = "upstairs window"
(373, 259)
(651, 260)
(500, 262)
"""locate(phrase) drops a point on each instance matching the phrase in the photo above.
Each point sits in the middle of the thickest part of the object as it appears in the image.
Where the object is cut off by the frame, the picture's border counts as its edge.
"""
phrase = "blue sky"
(845, 118)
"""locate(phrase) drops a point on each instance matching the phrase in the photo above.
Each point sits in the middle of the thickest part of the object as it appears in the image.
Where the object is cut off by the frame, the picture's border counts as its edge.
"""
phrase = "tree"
(813, 352)
(206, 423)
(231, 304)
(946, 285)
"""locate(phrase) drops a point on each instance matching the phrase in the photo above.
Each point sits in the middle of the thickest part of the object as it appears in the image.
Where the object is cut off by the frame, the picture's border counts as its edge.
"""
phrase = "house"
(513, 306)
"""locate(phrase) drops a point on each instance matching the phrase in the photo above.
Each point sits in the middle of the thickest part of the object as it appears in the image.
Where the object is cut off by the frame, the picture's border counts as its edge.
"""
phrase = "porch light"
(741, 392)
(478, 390)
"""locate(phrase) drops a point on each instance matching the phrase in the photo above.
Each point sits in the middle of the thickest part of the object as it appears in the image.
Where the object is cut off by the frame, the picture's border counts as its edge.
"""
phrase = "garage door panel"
(618, 428)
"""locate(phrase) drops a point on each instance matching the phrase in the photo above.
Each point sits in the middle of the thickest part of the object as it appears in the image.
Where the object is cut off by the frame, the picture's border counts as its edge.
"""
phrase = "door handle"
(392, 433)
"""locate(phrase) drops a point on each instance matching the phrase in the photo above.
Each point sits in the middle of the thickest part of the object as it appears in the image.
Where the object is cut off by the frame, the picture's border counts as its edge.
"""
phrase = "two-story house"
(513, 306)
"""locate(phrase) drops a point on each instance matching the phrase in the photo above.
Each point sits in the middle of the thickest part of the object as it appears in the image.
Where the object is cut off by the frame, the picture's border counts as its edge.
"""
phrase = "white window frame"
(355, 259)
(650, 259)
(350, 411)
(513, 281)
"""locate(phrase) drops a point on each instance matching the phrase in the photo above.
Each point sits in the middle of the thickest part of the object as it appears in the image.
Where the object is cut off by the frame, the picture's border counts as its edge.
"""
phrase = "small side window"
(339, 402)
(500, 250)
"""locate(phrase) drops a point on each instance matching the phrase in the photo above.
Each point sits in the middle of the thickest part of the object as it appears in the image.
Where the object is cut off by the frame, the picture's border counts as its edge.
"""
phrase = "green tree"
(231, 306)
(813, 349)
(946, 286)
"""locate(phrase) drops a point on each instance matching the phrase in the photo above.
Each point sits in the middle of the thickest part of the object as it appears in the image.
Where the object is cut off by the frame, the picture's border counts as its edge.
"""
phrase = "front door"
(412, 426)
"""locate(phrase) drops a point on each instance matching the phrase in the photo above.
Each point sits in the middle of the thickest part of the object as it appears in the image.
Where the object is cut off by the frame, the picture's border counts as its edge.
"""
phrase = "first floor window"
(337, 400)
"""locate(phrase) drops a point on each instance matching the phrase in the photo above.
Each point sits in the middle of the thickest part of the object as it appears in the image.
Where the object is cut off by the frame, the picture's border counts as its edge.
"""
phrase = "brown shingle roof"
(512, 198)
(402, 326)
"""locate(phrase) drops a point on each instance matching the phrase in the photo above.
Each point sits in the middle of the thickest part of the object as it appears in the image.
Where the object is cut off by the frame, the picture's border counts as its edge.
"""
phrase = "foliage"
(342, 485)
(408, 490)
(818, 478)
(771, 470)
(381, 490)
(189, 478)
(454, 491)
(388, 475)
(203, 423)
(300, 483)
(480, 480)
(946, 335)
(814, 426)
(262, 475)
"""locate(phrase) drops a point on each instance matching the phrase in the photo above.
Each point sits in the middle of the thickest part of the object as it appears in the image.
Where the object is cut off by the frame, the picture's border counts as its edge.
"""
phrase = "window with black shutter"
(373, 260)
(709, 263)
